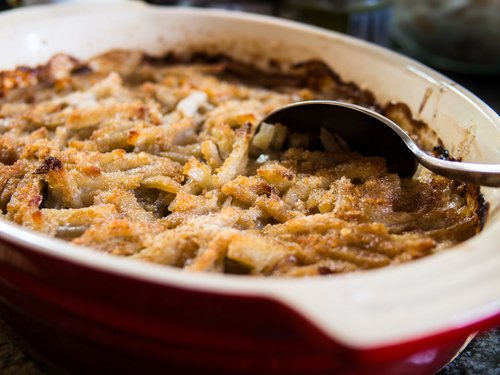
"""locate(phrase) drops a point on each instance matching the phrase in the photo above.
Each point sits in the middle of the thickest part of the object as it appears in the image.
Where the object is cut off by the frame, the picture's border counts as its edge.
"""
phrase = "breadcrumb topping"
(159, 160)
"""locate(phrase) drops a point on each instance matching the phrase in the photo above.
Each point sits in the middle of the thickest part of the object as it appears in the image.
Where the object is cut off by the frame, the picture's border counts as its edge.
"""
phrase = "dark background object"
(458, 35)
(255, 6)
(4, 5)
(366, 19)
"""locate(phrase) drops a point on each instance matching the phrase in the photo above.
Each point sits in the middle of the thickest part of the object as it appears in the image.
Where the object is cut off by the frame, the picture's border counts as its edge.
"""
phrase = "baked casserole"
(158, 159)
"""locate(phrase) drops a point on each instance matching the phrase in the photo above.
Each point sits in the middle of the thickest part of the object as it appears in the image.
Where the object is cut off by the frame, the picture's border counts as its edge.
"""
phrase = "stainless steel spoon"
(373, 134)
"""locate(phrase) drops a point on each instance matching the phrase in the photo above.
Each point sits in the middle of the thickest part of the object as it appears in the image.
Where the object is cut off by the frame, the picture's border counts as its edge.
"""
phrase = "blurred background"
(460, 38)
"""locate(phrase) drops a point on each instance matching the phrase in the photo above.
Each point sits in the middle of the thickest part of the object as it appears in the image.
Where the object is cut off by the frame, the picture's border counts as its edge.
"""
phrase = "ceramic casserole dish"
(89, 312)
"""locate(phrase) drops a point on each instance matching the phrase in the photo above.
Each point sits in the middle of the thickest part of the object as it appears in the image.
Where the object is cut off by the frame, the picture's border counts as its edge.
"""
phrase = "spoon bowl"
(373, 134)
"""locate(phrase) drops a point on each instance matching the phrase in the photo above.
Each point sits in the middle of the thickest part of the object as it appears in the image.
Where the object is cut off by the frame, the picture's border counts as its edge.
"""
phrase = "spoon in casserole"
(373, 134)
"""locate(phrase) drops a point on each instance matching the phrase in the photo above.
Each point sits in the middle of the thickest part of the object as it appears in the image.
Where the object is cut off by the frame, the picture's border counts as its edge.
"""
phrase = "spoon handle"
(479, 174)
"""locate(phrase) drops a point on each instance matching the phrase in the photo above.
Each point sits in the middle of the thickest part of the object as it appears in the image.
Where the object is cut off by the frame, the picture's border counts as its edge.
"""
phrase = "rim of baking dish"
(366, 310)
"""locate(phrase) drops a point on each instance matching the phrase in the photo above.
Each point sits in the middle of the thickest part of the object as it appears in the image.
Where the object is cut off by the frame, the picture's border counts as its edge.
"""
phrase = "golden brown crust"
(156, 159)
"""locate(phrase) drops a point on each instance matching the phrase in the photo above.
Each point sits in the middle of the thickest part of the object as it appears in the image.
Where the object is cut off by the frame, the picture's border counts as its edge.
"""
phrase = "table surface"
(481, 357)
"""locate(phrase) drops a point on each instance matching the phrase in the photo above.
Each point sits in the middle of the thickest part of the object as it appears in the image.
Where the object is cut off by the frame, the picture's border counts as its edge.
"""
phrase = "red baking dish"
(88, 312)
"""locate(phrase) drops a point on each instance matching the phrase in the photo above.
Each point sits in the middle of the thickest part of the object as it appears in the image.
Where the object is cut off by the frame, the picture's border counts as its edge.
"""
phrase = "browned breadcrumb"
(154, 159)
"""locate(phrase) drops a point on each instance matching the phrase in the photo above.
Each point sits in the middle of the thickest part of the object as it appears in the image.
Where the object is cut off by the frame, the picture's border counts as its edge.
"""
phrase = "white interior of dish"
(367, 309)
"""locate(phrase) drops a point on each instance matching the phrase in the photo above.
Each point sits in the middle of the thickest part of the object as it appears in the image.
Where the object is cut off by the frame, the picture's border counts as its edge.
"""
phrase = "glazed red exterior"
(83, 320)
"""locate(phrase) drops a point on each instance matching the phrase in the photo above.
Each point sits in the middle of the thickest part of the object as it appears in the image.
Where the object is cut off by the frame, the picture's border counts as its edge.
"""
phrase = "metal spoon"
(373, 134)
